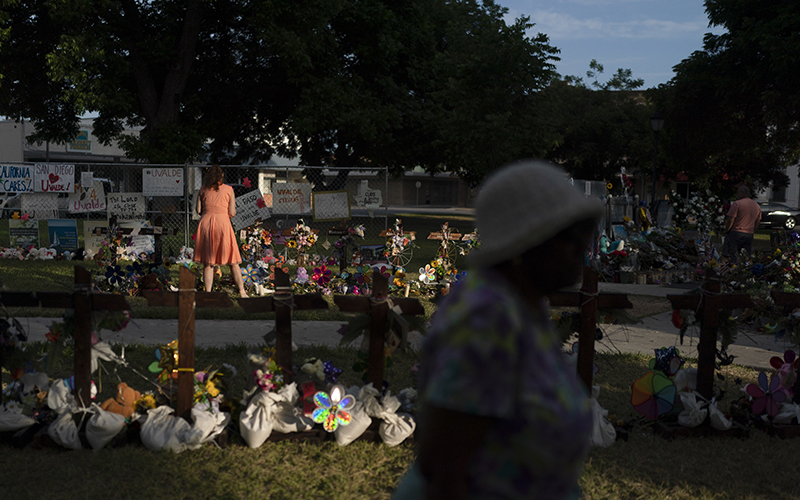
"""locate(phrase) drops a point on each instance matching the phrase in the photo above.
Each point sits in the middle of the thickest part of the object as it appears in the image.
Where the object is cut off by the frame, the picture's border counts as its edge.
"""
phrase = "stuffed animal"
(122, 403)
(607, 246)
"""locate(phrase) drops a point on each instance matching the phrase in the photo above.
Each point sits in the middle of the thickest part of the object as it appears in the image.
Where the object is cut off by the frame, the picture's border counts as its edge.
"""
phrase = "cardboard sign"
(16, 178)
(88, 199)
(39, 205)
(291, 198)
(63, 234)
(126, 206)
(370, 198)
(23, 233)
(162, 181)
(91, 240)
(331, 205)
(139, 243)
(54, 178)
(249, 208)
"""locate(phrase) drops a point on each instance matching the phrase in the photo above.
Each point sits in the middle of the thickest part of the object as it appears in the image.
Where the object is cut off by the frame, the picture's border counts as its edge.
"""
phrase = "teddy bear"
(122, 403)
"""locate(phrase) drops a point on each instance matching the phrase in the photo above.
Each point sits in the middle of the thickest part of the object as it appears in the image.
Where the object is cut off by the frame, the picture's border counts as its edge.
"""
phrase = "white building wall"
(10, 141)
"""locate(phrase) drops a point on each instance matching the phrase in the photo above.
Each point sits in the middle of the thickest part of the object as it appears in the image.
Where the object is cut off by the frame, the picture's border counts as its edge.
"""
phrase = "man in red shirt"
(741, 223)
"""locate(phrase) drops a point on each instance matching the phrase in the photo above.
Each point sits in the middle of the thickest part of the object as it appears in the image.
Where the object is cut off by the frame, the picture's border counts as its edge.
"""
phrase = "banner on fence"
(92, 240)
(63, 234)
(249, 208)
(23, 233)
(126, 206)
(16, 178)
(331, 205)
(54, 178)
(88, 199)
(139, 243)
(291, 198)
(162, 181)
(39, 205)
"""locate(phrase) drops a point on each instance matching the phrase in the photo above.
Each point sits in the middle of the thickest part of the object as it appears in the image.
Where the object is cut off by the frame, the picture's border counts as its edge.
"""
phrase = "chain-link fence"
(92, 193)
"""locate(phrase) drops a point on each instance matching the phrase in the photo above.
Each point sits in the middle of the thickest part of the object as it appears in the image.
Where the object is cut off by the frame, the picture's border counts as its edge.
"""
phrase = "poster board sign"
(331, 205)
(162, 181)
(91, 240)
(39, 205)
(88, 199)
(23, 233)
(63, 234)
(291, 198)
(126, 206)
(249, 208)
(54, 178)
(139, 243)
(16, 179)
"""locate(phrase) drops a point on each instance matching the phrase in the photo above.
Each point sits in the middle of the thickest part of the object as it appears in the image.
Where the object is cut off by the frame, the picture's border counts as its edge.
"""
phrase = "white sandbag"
(208, 425)
(718, 419)
(60, 397)
(33, 380)
(368, 395)
(787, 412)
(255, 423)
(686, 380)
(162, 430)
(286, 416)
(102, 427)
(13, 421)
(359, 418)
(694, 409)
(64, 431)
(396, 427)
(603, 432)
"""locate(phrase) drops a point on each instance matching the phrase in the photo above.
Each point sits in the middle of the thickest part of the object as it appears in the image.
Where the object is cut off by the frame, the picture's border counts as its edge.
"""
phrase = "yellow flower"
(291, 244)
(212, 389)
(609, 186)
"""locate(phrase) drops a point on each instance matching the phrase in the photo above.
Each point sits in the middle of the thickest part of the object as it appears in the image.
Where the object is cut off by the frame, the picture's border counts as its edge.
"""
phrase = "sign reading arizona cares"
(16, 178)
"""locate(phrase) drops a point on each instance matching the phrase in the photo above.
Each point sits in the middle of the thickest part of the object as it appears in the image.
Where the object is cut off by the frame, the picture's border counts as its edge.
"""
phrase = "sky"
(648, 37)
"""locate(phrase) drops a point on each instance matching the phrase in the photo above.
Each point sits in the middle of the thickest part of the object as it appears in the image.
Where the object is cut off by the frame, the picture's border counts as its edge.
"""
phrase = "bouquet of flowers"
(704, 210)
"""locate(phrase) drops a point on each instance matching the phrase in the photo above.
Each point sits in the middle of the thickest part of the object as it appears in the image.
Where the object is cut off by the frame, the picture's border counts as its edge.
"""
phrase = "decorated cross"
(789, 301)
(186, 299)
(710, 302)
(157, 231)
(589, 301)
(341, 231)
(377, 306)
(83, 302)
(398, 232)
(282, 304)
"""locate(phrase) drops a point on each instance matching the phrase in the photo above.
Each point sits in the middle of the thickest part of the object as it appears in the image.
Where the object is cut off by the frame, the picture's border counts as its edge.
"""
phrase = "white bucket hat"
(524, 204)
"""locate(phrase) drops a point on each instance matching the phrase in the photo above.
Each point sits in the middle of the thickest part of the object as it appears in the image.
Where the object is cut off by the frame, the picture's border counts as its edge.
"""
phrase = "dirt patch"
(643, 306)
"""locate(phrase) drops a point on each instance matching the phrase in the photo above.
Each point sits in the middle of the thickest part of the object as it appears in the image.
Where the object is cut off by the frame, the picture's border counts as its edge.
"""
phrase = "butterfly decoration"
(668, 361)
(331, 411)
(767, 396)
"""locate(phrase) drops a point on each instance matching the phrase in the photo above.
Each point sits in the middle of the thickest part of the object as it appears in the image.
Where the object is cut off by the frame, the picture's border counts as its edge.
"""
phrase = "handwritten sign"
(54, 178)
(23, 233)
(249, 208)
(87, 178)
(139, 243)
(39, 205)
(63, 234)
(126, 206)
(162, 181)
(16, 178)
(88, 199)
(291, 198)
(331, 205)
(370, 198)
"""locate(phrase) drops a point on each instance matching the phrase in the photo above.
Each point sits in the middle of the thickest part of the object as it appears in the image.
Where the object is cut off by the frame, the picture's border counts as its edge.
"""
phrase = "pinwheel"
(321, 276)
(249, 274)
(363, 275)
(653, 395)
(767, 397)
(427, 274)
(331, 410)
(786, 371)
(114, 274)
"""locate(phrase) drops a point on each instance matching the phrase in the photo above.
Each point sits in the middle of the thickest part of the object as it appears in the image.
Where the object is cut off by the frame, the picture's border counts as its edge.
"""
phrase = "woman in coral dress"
(216, 242)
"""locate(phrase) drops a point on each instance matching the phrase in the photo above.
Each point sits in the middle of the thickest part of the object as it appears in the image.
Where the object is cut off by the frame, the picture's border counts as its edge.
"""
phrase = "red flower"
(260, 202)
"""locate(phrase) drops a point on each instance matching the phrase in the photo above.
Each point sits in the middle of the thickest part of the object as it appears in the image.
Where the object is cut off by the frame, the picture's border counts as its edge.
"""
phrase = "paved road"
(652, 333)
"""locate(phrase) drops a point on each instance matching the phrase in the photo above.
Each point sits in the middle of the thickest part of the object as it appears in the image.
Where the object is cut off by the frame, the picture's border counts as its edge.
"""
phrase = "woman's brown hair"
(213, 178)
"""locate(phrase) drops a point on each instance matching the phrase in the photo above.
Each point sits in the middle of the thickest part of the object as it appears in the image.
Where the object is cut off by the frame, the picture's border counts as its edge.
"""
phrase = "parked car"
(778, 216)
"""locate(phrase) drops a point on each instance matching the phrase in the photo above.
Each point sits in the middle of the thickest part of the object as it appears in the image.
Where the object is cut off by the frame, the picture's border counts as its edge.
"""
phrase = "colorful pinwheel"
(331, 410)
(427, 274)
(768, 397)
(134, 269)
(363, 275)
(653, 395)
(321, 276)
(786, 371)
(114, 274)
(249, 274)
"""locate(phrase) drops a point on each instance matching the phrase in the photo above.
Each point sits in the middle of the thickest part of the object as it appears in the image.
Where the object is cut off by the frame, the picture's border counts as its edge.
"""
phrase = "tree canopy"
(433, 83)
(732, 109)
